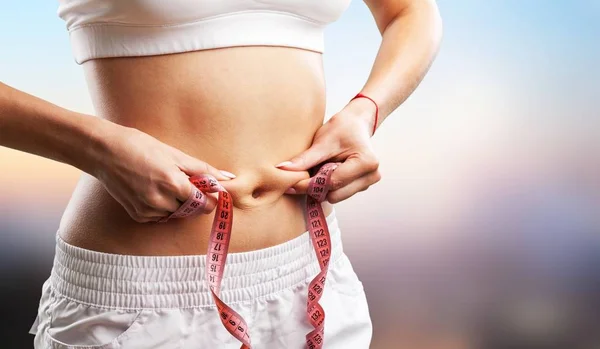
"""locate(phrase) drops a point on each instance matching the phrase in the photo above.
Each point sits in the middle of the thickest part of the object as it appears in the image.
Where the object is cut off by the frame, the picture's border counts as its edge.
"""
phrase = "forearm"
(38, 127)
(410, 41)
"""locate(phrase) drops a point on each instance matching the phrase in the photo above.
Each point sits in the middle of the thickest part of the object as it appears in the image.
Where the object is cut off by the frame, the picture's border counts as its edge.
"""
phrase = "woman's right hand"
(150, 179)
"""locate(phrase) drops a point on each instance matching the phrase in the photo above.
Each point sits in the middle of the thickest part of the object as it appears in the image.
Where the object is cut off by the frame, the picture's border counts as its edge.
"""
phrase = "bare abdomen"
(241, 109)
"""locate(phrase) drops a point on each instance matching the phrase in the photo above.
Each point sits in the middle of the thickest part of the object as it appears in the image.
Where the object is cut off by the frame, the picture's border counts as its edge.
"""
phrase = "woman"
(193, 90)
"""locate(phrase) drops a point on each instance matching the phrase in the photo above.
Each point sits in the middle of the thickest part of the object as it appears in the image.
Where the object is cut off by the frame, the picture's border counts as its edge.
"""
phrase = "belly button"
(256, 193)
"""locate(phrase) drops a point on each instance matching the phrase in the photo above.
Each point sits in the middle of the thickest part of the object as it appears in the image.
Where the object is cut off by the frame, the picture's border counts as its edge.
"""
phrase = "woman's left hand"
(344, 139)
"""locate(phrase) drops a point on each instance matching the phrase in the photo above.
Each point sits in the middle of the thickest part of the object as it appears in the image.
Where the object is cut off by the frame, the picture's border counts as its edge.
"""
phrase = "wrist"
(365, 110)
(94, 145)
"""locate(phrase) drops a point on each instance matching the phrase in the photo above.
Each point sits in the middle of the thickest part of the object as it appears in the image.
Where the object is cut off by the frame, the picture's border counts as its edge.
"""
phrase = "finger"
(211, 199)
(314, 155)
(186, 190)
(192, 166)
(147, 219)
(354, 187)
(298, 180)
(154, 219)
(156, 214)
(354, 167)
(211, 203)
(151, 216)
(170, 200)
(173, 205)
(299, 188)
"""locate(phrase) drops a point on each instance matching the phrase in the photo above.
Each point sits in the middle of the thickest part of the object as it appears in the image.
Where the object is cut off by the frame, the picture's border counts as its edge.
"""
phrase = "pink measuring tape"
(220, 236)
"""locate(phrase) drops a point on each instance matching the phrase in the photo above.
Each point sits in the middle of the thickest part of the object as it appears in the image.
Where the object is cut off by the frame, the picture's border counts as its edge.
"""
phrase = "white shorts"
(100, 300)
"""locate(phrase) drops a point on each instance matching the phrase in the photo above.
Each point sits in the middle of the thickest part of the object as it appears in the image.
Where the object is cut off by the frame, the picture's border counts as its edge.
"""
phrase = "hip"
(134, 302)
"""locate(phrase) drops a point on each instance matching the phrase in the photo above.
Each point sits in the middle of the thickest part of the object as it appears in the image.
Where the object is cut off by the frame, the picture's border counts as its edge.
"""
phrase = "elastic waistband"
(137, 282)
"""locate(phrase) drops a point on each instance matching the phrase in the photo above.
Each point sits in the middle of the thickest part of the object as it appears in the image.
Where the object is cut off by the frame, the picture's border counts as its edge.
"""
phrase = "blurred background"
(484, 231)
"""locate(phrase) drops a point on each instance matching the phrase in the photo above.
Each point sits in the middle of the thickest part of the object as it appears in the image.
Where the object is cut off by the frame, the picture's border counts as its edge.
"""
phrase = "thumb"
(192, 166)
(311, 157)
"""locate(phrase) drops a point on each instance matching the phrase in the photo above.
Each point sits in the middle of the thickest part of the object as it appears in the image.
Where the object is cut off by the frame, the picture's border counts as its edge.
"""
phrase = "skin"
(161, 119)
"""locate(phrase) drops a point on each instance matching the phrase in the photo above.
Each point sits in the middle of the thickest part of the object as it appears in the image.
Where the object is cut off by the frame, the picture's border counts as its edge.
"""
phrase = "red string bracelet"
(360, 95)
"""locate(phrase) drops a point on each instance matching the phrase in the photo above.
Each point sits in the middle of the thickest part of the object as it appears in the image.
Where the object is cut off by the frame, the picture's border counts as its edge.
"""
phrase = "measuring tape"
(218, 246)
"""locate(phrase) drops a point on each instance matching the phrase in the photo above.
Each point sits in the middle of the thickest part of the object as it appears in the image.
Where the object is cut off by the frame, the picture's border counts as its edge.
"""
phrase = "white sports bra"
(117, 28)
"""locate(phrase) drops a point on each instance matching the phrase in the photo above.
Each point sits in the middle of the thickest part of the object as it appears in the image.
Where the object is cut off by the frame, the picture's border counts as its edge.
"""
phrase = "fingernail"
(227, 174)
(290, 191)
(285, 163)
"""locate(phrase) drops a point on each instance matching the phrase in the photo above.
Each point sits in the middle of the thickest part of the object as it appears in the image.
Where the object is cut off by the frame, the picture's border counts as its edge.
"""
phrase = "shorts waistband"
(137, 282)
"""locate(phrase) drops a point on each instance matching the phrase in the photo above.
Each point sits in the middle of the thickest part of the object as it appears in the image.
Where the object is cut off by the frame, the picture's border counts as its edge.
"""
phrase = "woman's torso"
(240, 109)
